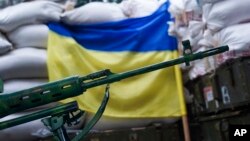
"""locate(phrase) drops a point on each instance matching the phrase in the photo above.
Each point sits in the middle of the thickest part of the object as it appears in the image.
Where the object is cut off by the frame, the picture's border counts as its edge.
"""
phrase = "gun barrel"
(74, 86)
(184, 59)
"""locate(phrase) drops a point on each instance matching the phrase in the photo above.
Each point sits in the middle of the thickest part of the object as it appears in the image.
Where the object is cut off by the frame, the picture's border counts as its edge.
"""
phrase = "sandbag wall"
(24, 33)
(23, 43)
(219, 84)
(209, 24)
(212, 23)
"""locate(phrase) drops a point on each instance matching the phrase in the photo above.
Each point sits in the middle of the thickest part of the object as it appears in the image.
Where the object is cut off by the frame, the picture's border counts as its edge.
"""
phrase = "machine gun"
(73, 86)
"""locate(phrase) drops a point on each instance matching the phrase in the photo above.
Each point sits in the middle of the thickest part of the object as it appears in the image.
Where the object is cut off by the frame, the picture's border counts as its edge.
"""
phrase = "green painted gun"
(73, 86)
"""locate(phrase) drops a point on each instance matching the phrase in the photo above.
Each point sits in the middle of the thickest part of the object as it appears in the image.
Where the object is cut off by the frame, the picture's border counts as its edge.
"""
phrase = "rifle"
(74, 86)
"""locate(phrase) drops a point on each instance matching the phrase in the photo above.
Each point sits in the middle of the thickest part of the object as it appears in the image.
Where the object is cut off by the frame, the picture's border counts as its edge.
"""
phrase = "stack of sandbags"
(88, 13)
(224, 22)
(23, 68)
(24, 65)
(29, 13)
(32, 35)
(188, 23)
(107, 12)
(25, 27)
(227, 23)
(223, 14)
(197, 29)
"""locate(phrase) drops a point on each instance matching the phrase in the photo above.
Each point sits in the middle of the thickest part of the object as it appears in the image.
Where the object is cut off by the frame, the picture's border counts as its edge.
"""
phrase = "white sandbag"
(185, 11)
(195, 40)
(5, 45)
(192, 10)
(176, 7)
(24, 63)
(195, 28)
(14, 85)
(236, 37)
(225, 13)
(172, 29)
(202, 2)
(178, 32)
(94, 12)
(28, 13)
(203, 66)
(139, 8)
(29, 35)
(195, 33)
(183, 33)
(205, 43)
(206, 8)
(162, 1)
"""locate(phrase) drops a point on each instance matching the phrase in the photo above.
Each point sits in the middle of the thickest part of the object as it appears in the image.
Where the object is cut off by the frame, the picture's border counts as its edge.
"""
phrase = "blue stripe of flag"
(137, 34)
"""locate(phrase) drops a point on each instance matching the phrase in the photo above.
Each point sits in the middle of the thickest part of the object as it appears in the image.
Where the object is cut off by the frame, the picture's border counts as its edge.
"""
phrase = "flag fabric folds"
(120, 46)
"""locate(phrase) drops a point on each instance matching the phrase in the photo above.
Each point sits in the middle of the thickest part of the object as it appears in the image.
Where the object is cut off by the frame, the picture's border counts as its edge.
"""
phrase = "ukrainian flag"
(121, 46)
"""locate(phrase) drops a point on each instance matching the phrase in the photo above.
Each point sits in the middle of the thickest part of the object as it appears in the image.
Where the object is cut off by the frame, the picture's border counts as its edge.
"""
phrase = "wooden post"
(180, 90)
(186, 128)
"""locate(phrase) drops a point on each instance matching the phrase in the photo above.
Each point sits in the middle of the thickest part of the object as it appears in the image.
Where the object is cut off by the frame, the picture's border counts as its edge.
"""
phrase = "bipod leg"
(56, 126)
(96, 117)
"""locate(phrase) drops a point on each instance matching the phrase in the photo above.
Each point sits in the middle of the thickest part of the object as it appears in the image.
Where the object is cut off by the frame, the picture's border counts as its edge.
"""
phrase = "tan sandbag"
(139, 8)
(29, 13)
(35, 35)
(226, 13)
(24, 63)
(94, 12)
(21, 84)
(236, 37)
(202, 66)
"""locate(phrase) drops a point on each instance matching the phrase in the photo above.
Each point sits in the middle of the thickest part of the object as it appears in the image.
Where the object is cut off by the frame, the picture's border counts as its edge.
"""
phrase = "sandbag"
(206, 8)
(195, 28)
(139, 8)
(29, 35)
(236, 37)
(5, 45)
(176, 7)
(14, 85)
(94, 12)
(203, 66)
(28, 13)
(202, 2)
(192, 11)
(225, 13)
(24, 63)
